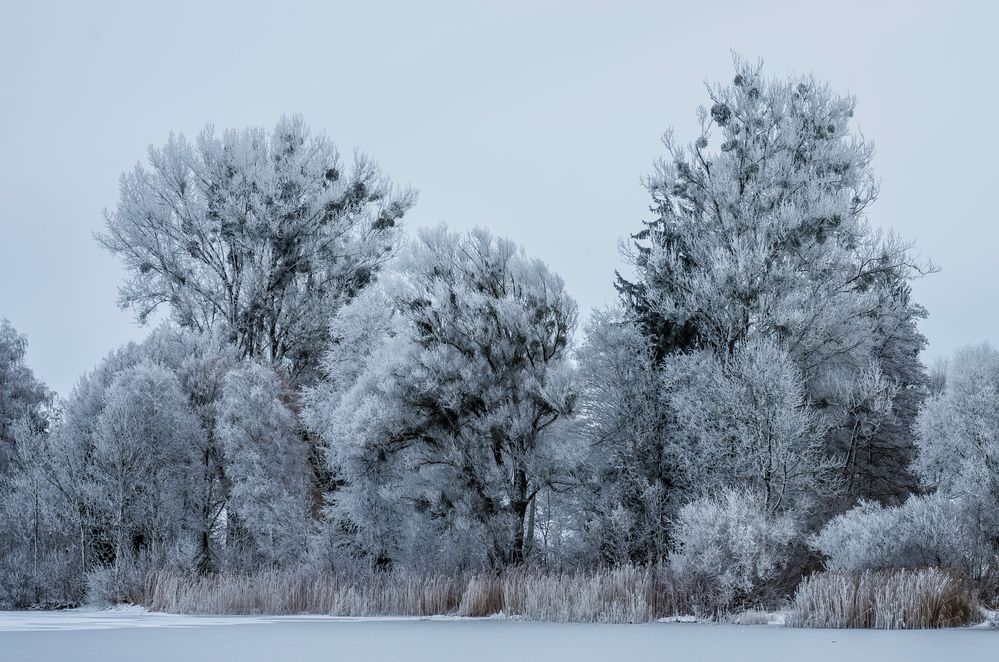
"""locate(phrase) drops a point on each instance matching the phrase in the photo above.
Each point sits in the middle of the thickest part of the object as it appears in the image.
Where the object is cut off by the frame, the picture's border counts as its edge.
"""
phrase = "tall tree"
(257, 235)
(766, 238)
(630, 476)
(878, 442)
(42, 553)
(199, 363)
(140, 468)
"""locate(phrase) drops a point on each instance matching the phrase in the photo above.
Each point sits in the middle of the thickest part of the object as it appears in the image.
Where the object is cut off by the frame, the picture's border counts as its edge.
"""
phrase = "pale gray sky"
(535, 119)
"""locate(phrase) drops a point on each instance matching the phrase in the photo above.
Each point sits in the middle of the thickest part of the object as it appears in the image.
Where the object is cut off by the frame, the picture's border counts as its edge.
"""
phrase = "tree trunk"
(520, 503)
(531, 515)
(205, 565)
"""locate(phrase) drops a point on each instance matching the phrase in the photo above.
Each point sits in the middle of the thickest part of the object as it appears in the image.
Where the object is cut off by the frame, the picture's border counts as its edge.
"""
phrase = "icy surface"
(113, 636)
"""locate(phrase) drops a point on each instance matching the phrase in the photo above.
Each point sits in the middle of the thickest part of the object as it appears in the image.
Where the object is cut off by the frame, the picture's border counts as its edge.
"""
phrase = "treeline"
(332, 396)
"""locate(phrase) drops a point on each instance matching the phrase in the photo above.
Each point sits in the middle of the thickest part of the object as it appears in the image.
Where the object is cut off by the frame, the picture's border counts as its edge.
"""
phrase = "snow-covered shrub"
(48, 580)
(122, 583)
(753, 616)
(733, 544)
(896, 599)
(931, 530)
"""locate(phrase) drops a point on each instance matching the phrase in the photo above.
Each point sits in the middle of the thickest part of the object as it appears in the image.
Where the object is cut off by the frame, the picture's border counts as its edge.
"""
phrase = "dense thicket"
(332, 400)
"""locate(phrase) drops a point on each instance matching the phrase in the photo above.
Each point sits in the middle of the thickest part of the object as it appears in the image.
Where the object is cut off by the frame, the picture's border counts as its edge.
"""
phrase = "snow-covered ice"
(131, 634)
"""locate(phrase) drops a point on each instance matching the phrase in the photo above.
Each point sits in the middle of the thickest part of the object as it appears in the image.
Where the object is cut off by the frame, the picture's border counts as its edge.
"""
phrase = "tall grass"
(305, 592)
(623, 594)
(903, 599)
(928, 598)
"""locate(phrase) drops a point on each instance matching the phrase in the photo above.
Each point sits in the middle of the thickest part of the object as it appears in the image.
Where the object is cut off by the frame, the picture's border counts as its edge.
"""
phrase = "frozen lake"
(86, 636)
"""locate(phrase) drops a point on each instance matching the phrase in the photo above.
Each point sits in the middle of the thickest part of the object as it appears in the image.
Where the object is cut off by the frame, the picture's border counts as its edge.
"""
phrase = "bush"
(123, 583)
(733, 547)
(896, 599)
(925, 531)
(49, 581)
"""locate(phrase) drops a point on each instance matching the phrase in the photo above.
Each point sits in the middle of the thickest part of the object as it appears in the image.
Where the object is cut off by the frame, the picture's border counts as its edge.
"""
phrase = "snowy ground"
(113, 636)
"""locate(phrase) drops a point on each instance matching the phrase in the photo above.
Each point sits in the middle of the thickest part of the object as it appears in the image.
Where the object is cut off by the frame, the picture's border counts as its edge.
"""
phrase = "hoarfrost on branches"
(441, 439)
(257, 235)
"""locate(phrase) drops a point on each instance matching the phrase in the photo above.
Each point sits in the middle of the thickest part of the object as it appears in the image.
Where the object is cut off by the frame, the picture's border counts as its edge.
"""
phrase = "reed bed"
(895, 599)
(927, 598)
(304, 592)
(614, 595)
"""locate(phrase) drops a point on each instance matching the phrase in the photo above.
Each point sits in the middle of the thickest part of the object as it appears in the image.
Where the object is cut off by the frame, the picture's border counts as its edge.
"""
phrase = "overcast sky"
(535, 119)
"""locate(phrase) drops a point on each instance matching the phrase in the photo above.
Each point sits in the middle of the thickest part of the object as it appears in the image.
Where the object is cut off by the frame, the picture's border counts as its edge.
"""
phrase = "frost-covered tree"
(202, 369)
(441, 437)
(732, 544)
(42, 553)
(140, 469)
(659, 436)
(745, 425)
(266, 461)
(144, 470)
(200, 364)
(22, 396)
(257, 235)
(36, 554)
(763, 237)
(630, 477)
(958, 429)
(927, 530)
(872, 412)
